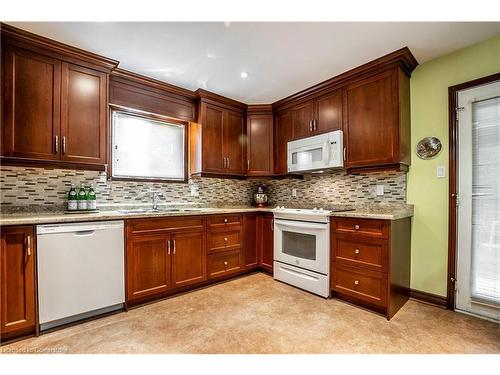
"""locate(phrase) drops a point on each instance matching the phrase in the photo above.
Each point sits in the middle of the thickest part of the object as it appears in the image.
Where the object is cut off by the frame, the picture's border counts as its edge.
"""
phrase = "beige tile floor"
(255, 314)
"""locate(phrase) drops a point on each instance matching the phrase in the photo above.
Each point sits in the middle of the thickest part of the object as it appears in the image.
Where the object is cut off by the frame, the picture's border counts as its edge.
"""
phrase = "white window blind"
(485, 275)
(146, 148)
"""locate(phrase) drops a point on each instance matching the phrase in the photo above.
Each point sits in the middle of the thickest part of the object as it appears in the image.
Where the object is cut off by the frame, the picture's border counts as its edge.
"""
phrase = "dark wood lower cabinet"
(371, 262)
(148, 265)
(266, 238)
(188, 258)
(17, 282)
(250, 234)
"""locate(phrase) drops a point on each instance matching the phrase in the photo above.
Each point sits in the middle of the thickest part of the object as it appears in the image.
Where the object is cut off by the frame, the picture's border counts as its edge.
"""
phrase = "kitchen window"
(147, 148)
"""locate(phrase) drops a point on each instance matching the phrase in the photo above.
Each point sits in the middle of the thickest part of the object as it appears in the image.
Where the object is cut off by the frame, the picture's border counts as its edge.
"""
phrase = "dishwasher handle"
(82, 233)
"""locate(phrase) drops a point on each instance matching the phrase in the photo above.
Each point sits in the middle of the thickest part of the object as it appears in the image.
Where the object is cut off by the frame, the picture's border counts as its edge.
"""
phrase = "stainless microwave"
(316, 153)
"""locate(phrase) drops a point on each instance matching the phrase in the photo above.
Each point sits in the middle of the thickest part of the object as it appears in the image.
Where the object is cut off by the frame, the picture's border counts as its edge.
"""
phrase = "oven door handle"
(301, 224)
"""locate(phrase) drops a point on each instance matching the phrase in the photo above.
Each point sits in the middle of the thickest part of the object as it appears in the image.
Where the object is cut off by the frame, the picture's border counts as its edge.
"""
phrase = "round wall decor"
(428, 148)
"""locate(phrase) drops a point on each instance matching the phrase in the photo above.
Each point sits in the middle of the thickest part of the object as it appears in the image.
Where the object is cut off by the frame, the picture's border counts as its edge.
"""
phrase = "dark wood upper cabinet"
(283, 131)
(376, 121)
(302, 120)
(188, 258)
(31, 105)
(233, 145)
(328, 113)
(17, 282)
(213, 143)
(218, 139)
(55, 102)
(260, 141)
(83, 114)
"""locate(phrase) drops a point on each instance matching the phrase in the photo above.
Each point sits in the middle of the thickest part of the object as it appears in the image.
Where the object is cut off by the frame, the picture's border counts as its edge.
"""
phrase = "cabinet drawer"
(156, 225)
(367, 253)
(362, 227)
(366, 285)
(221, 241)
(221, 221)
(224, 263)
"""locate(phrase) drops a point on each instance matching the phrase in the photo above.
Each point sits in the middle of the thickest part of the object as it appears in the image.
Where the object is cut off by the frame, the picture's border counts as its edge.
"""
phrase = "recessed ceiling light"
(244, 75)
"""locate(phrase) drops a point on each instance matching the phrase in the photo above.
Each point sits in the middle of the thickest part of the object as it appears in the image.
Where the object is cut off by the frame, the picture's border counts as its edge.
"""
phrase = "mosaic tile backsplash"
(27, 187)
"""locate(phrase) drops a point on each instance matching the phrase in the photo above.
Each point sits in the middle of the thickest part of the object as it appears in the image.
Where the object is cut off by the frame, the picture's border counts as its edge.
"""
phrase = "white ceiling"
(280, 58)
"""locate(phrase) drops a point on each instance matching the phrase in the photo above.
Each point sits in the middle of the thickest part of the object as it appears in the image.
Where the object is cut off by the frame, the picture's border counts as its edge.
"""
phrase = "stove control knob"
(321, 210)
(315, 209)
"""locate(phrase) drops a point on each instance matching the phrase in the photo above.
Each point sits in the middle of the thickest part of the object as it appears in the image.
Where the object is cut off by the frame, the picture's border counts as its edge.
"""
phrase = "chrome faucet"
(156, 195)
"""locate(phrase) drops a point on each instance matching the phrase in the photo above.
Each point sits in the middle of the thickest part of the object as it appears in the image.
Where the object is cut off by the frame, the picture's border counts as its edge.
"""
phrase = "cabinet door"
(233, 133)
(302, 116)
(371, 121)
(328, 112)
(148, 265)
(83, 114)
(266, 255)
(188, 258)
(31, 104)
(212, 119)
(283, 133)
(17, 276)
(260, 145)
(250, 241)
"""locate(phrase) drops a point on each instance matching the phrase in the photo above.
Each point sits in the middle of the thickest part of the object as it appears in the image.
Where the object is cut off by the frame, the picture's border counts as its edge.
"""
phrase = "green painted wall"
(429, 117)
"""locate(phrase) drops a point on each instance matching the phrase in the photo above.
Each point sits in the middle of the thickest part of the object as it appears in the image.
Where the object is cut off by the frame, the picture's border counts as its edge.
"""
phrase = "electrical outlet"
(195, 190)
(294, 192)
(380, 189)
(440, 171)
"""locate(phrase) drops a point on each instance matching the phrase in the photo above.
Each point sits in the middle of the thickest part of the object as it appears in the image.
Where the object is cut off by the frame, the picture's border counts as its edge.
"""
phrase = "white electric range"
(302, 248)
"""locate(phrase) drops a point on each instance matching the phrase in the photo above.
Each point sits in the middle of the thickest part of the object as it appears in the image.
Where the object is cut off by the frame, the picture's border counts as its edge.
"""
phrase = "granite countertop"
(373, 211)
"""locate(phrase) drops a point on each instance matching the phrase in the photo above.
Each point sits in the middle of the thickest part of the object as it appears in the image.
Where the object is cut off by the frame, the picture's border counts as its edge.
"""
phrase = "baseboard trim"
(429, 298)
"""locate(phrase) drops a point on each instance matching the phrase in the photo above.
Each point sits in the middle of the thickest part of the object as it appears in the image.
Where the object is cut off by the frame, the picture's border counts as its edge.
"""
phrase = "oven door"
(302, 244)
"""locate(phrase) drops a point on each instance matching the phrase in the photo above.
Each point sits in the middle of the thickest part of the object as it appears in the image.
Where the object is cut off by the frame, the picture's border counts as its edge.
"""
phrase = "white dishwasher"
(80, 271)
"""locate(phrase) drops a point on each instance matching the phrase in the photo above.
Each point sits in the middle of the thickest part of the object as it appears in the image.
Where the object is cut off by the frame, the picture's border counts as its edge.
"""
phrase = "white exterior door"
(478, 238)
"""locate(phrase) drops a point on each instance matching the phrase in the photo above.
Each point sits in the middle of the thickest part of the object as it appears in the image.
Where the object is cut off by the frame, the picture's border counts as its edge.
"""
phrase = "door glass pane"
(299, 245)
(307, 157)
(485, 275)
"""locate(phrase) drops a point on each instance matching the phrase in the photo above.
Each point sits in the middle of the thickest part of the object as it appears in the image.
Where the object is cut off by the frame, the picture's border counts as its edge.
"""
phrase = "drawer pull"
(225, 220)
(225, 262)
(356, 227)
(356, 282)
(225, 239)
(356, 251)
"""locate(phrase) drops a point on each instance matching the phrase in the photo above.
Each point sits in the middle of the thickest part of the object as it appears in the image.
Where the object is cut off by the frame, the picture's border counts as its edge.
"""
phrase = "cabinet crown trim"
(15, 34)
(216, 99)
(402, 58)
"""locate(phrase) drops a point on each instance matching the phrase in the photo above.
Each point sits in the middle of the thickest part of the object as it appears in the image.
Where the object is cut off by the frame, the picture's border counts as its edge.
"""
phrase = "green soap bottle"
(72, 199)
(91, 199)
(82, 197)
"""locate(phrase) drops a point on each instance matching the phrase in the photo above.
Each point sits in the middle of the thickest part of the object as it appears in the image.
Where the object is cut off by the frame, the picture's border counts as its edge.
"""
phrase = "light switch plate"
(294, 192)
(440, 171)
(380, 189)
(194, 190)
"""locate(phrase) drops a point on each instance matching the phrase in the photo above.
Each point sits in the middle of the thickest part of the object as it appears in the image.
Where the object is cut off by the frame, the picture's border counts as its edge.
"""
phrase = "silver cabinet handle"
(28, 245)
(345, 153)
(224, 162)
(248, 164)
(174, 245)
(356, 227)
(315, 125)
(356, 251)
(168, 246)
(225, 262)
(356, 282)
(228, 162)
(311, 125)
(225, 239)
(225, 220)
(63, 144)
(56, 144)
